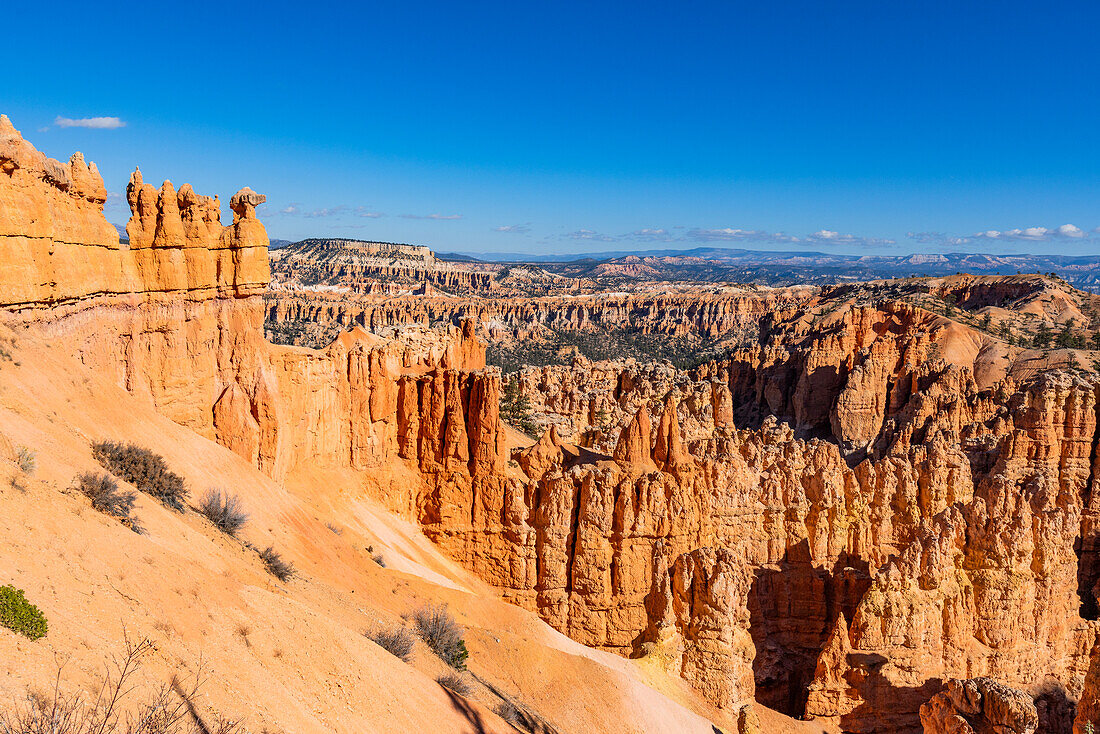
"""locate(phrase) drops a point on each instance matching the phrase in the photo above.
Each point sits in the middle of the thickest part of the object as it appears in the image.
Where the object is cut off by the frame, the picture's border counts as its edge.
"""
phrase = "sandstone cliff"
(863, 502)
(360, 266)
(891, 534)
(176, 318)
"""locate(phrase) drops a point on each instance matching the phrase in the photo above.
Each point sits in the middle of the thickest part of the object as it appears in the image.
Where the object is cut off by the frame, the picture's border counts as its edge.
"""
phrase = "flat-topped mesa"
(362, 267)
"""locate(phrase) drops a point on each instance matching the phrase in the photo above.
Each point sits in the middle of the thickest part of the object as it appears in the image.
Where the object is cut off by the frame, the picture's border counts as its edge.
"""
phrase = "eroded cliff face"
(176, 316)
(869, 501)
(983, 704)
(709, 314)
(904, 524)
(360, 267)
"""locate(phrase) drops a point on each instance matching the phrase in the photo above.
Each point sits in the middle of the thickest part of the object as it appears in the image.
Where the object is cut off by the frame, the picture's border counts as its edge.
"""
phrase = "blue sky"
(865, 127)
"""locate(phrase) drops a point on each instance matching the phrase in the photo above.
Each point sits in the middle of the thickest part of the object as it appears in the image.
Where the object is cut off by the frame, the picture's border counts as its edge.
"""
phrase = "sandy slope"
(289, 657)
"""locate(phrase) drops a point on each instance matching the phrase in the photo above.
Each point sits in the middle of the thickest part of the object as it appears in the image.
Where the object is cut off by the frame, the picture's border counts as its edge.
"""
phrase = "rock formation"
(979, 705)
(678, 314)
(863, 501)
(360, 266)
(176, 317)
(894, 532)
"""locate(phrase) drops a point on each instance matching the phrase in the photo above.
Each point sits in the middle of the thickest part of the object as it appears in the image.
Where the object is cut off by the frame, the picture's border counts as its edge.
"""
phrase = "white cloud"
(820, 237)
(1070, 230)
(294, 209)
(517, 228)
(325, 212)
(588, 234)
(94, 123)
(731, 234)
(649, 234)
(828, 236)
(431, 216)
(1032, 234)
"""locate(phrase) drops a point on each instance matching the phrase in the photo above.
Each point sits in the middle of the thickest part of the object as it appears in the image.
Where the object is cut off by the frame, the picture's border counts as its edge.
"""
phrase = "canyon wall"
(360, 266)
(867, 502)
(176, 316)
(678, 314)
(905, 523)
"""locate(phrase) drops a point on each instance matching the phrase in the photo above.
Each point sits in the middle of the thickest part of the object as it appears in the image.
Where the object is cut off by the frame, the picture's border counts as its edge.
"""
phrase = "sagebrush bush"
(397, 642)
(27, 460)
(454, 682)
(19, 615)
(440, 632)
(276, 566)
(508, 711)
(224, 510)
(104, 493)
(170, 709)
(143, 469)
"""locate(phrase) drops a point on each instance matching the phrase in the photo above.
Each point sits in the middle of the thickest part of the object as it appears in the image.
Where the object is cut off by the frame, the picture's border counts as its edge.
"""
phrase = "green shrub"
(515, 408)
(19, 615)
(440, 632)
(143, 469)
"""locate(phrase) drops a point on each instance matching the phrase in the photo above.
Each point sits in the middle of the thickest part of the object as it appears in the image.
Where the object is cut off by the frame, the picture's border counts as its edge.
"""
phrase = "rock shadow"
(792, 609)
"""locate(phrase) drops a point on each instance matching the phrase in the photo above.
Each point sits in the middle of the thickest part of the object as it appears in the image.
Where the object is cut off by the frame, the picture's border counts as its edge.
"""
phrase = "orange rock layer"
(834, 522)
(176, 316)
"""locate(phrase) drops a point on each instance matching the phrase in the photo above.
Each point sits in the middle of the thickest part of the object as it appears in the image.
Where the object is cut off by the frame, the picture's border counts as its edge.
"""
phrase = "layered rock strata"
(361, 266)
(708, 314)
(176, 316)
(891, 533)
(866, 502)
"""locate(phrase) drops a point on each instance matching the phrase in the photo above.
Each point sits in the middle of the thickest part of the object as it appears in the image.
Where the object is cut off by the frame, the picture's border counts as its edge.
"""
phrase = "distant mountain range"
(783, 268)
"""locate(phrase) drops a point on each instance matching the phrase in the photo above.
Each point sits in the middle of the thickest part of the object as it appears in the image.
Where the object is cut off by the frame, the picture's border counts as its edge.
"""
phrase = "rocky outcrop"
(880, 561)
(360, 266)
(711, 315)
(979, 705)
(699, 612)
(176, 317)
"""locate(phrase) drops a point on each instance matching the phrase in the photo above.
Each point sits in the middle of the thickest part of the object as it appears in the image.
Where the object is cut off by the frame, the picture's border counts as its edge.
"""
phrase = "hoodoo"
(855, 507)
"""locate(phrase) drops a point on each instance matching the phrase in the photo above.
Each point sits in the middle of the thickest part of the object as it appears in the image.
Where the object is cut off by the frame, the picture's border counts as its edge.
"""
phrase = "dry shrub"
(143, 469)
(27, 460)
(105, 495)
(224, 510)
(275, 565)
(454, 682)
(397, 641)
(169, 710)
(440, 632)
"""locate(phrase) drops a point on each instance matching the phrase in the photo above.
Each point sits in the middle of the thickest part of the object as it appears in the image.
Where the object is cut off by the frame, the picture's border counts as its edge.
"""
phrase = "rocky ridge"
(176, 317)
(832, 520)
(361, 266)
(914, 500)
